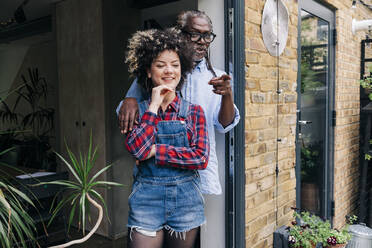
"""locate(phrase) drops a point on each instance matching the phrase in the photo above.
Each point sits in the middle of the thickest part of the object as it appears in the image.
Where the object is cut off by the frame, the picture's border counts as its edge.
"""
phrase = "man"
(205, 86)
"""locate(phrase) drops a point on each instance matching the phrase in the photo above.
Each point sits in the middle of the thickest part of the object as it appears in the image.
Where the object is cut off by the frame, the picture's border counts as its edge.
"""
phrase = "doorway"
(315, 115)
(162, 15)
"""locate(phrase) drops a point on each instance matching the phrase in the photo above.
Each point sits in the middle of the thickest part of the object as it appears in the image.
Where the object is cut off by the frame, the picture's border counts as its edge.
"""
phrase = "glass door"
(314, 108)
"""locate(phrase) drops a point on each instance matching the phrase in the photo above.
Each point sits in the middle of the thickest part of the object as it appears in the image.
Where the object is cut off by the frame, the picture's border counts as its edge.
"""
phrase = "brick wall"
(346, 141)
(261, 133)
(261, 121)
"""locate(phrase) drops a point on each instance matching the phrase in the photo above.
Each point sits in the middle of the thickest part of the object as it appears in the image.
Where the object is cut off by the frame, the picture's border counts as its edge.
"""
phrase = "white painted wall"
(213, 234)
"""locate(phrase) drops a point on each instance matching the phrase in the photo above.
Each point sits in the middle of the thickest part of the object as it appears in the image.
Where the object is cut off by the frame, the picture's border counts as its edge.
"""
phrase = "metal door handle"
(301, 122)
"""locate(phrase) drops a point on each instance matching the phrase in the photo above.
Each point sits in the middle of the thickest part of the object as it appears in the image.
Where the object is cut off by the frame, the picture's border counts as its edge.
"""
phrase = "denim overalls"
(166, 197)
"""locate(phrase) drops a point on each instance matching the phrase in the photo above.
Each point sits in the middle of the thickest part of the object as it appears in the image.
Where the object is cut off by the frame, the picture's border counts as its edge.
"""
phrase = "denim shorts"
(173, 203)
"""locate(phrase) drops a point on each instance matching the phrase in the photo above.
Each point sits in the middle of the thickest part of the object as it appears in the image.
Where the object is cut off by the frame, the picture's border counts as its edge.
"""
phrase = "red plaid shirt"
(142, 137)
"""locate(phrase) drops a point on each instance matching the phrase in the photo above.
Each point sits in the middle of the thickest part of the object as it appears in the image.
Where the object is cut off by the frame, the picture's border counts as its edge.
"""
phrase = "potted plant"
(81, 191)
(309, 231)
(16, 225)
(34, 121)
(17, 228)
(9, 139)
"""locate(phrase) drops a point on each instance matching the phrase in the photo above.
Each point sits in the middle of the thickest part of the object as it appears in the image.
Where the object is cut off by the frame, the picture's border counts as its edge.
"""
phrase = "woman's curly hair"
(145, 46)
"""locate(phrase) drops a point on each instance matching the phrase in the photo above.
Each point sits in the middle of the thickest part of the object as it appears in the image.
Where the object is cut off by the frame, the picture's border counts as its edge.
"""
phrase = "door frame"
(234, 144)
(327, 14)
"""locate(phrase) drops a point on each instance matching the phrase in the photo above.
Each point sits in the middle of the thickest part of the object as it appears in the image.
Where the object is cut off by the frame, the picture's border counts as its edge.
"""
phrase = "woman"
(171, 143)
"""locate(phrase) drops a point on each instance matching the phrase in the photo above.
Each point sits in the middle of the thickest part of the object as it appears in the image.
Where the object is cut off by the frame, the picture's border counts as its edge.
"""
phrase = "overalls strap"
(168, 132)
(184, 109)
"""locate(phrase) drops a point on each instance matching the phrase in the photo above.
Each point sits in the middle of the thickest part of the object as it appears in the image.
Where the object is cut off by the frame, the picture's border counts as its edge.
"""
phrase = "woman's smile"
(166, 69)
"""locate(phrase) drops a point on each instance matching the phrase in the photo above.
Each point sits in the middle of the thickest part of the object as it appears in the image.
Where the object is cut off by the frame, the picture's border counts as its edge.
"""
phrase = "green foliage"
(33, 124)
(313, 230)
(308, 78)
(304, 235)
(367, 157)
(310, 162)
(309, 55)
(17, 228)
(84, 184)
(16, 225)
(32, 92)
(366, 84)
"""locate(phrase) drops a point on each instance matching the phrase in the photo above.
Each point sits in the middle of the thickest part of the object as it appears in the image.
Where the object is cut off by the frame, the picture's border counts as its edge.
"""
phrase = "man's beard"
(199, 55)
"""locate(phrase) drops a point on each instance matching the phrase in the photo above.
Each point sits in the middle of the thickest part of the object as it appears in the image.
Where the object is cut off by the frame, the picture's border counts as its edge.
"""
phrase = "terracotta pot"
(337, 246)
(312, 246)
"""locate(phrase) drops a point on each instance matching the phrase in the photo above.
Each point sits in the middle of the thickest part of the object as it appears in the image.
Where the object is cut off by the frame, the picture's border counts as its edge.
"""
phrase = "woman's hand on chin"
(157, 97)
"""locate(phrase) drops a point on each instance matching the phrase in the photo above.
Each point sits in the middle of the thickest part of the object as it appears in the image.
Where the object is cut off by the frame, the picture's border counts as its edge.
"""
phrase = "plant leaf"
(69, 167)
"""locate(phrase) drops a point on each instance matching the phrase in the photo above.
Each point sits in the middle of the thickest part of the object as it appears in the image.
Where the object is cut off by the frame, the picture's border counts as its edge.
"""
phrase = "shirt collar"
(201, 65)
(175, 104)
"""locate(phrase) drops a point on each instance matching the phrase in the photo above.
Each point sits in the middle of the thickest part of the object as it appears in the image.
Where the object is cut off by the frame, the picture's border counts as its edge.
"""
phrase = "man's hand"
(221, 85)
(128, 114)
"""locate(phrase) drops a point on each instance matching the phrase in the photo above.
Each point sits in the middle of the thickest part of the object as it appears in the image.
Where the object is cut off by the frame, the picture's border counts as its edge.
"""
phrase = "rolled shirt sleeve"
(226, 129)
(141, 138)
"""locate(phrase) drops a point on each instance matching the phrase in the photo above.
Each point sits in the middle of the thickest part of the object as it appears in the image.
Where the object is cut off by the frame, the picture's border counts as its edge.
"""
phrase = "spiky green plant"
(81, 192)
(17, 228)
(33, 116)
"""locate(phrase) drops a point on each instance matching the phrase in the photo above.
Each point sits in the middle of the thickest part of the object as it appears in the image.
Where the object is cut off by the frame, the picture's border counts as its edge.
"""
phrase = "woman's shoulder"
(193, 108)
(196, 109)
(144, 101)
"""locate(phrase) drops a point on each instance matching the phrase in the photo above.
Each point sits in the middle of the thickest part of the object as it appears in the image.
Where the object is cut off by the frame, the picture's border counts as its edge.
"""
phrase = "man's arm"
(222, 86)
(127, 109)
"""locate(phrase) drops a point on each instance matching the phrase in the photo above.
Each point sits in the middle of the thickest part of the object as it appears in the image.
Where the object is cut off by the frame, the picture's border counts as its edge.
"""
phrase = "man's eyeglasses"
(195, 36)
